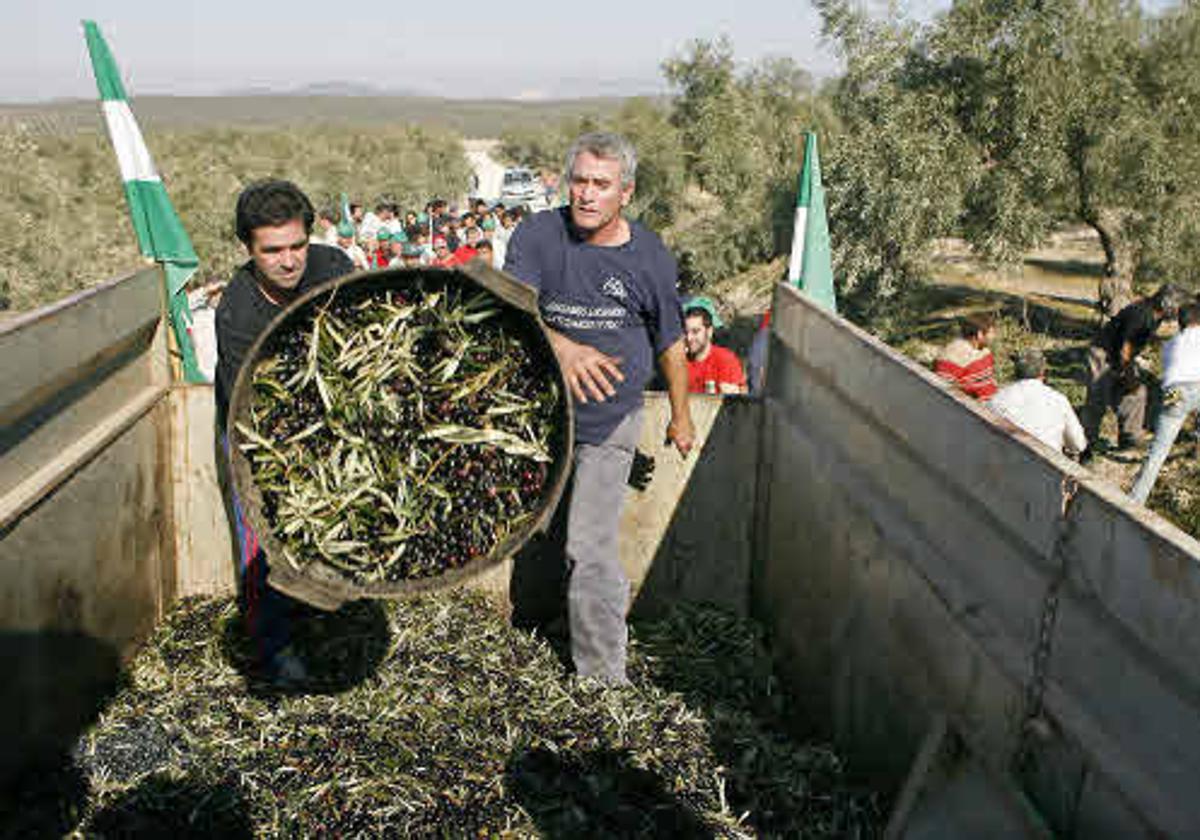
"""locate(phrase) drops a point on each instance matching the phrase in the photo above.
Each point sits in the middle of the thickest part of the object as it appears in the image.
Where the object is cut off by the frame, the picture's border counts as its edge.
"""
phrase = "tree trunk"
(1116, 284)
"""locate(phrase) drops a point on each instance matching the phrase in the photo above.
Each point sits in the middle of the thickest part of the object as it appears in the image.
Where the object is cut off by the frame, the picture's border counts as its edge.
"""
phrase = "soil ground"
(1048, 302)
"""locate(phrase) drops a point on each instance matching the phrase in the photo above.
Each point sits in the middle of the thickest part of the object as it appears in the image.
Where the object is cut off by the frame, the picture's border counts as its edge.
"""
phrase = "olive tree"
(1045, 112)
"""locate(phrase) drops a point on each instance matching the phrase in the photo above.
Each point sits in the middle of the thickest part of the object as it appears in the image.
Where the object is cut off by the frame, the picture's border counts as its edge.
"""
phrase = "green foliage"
(661, 175)
(67, 224)
(64, 218)
(741, 135)
(893, 171)
(1000, 121)
(535, 147)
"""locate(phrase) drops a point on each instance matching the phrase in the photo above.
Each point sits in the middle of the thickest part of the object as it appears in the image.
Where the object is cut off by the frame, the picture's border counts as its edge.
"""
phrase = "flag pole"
(160, 233)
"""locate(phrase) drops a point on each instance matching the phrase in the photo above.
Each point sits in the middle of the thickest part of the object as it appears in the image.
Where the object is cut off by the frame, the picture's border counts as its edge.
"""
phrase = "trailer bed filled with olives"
(434, 717)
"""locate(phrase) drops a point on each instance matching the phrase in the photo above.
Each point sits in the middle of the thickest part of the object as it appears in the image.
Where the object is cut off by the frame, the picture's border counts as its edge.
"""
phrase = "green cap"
(489, 223)
(411, 249)
(708, 306)
(383, 235)
(399, 235)
(345, 230)
(422, 217)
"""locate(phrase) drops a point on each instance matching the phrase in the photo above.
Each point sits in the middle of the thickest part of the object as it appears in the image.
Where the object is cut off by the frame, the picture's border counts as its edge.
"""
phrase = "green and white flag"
(811, 265)
(160, 233)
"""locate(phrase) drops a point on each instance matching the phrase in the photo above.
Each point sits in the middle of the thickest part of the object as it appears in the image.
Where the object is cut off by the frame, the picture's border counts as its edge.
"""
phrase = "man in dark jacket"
(274, 220)
(1113, 377)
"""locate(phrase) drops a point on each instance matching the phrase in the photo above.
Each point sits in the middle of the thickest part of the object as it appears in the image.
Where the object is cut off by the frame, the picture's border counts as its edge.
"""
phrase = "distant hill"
(471, 118)
(320, 89)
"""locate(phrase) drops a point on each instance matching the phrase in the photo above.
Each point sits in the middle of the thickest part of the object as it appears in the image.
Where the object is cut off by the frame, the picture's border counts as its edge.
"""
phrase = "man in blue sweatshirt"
(607, 291)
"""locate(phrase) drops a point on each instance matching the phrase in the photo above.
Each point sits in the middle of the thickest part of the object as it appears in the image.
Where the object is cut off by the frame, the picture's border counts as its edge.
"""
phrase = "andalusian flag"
(160, 234)
(811, 265)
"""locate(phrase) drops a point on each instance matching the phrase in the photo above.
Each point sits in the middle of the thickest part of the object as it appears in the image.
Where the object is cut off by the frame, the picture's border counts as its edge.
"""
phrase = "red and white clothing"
(971, 368)
(719, 367)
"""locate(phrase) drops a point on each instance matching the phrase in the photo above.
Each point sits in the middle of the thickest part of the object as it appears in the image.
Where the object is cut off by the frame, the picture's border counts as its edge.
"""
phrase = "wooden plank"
(53, 473)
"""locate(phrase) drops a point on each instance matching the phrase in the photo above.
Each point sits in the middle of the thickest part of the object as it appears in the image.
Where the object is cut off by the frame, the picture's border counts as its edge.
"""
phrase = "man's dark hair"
(328, 213)
(699, 312)
(484, 245)
(1189, 315)
(354, 207)
(1168, 299)
(270, 204)
(1029, 364)
(979, 322)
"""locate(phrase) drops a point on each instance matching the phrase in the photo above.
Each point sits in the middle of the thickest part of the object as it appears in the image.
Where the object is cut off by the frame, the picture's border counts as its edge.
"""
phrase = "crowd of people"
(439, 234)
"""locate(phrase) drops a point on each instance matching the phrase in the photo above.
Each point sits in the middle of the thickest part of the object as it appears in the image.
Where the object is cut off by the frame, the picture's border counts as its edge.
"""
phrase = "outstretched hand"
(590, 374)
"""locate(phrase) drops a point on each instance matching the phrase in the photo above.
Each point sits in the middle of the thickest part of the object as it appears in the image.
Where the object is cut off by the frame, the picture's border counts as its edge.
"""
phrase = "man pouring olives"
(607, 292)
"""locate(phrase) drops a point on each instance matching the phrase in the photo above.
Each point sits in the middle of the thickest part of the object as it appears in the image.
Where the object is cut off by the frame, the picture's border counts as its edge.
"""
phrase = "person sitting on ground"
(345, 241)
(1034, 407)
(1114, 379)
(1181, 396)
(967, 361)
(711, 369)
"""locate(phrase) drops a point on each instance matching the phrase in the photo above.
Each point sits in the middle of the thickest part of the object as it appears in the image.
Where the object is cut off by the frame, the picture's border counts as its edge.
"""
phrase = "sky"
(497, 48)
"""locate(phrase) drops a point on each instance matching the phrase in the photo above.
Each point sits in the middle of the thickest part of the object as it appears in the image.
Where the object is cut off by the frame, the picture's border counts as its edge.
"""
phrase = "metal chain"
(1035, 690)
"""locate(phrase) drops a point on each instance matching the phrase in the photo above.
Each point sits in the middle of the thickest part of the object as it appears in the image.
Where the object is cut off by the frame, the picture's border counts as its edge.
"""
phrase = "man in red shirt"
(711, 369)
(442, 258)
(966, 362)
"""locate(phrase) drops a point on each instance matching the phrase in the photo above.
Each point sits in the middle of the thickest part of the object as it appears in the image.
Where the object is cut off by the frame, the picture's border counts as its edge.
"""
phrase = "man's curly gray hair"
(609, 146)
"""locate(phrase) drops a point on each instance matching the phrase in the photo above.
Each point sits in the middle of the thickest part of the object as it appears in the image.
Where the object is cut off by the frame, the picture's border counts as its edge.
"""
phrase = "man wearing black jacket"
(274, 220)
(1113, 377)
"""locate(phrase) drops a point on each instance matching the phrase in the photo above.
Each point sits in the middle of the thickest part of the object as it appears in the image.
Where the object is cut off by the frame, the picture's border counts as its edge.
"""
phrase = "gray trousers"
(597, 589)
(1104, 392)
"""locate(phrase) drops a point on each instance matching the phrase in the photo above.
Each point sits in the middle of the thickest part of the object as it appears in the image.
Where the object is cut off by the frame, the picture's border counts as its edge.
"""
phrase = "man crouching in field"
(274, 220)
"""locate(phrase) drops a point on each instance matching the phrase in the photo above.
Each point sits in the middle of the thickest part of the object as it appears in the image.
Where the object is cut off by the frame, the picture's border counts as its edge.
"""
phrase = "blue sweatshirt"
(619, 299)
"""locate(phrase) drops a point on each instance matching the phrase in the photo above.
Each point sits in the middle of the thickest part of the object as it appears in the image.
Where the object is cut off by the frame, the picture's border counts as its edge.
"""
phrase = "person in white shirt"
(372, 223)
(345, 241)
(1036, 408)
(1181, 396)
(325, 228)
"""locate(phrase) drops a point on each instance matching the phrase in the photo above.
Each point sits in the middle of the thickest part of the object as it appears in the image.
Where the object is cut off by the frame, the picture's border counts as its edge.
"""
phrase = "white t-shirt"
(1181, 358)
(357, 256)
(370, 226)
(1041, 411)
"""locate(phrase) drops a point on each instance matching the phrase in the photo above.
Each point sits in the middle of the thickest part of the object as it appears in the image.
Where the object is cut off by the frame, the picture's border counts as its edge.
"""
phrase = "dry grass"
(66, 225)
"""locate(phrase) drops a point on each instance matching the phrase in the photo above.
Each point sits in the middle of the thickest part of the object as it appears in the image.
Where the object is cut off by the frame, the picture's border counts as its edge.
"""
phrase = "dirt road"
(489, 172)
